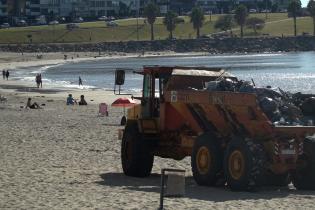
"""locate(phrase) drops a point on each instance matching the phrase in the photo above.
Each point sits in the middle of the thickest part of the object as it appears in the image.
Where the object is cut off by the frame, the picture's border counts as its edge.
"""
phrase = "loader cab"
(154, 80)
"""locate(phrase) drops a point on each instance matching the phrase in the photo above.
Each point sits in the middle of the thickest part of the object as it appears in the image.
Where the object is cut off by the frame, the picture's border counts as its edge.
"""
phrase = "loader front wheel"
(304, 176)
(244, 163)
(136, 155)
(206, 160)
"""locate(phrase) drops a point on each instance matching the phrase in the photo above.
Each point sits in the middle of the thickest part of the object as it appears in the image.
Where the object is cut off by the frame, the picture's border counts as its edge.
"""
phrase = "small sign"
(288, 152)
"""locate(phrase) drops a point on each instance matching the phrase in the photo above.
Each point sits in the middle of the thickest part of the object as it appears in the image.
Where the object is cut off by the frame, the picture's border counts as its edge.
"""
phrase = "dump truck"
(226, 133)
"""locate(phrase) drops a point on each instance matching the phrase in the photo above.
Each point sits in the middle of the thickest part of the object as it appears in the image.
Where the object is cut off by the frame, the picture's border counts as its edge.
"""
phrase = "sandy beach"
(68, 157)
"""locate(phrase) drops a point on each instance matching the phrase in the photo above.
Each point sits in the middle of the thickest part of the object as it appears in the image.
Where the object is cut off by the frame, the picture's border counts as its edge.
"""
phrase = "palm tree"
(151, 11)
(293, 8)
(170, 22)
(196, 18)
(240, 17)
(311, 9)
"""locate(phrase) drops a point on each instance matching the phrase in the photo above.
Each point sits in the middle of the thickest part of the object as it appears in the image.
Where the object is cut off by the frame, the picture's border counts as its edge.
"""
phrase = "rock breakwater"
(210, 45)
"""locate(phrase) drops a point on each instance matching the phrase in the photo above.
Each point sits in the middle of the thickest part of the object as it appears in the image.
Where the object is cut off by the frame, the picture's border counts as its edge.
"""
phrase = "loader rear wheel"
(304, 177)
(136, 155)
(244, 164)
(206, 160)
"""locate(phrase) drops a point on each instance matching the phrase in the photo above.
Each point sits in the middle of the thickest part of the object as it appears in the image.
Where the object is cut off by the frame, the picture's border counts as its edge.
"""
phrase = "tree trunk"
(152, 32)
(314, 26)
(198, 32)
(294, 20)
(171, 34)
(242, 31)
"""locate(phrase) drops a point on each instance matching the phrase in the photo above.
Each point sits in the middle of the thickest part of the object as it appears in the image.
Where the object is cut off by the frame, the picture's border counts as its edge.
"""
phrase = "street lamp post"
(266, 9)
(138, 20)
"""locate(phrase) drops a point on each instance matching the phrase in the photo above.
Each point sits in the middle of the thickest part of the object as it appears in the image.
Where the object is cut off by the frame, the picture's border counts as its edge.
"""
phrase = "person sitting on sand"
(82, 100)
(70, 100)
(30, 105)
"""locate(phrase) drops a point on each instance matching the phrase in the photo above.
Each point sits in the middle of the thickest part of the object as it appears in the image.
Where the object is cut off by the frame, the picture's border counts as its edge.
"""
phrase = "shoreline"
(19, 60)
(12, 61)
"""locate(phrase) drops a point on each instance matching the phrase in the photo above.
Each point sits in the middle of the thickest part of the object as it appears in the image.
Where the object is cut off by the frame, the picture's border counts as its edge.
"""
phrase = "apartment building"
(32, 8)
(103, 7)
(178, 6)
(3, 8)
(206, 5)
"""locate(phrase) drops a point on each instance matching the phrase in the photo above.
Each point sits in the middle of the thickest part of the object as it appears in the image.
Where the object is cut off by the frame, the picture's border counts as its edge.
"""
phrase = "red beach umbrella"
(124, 102)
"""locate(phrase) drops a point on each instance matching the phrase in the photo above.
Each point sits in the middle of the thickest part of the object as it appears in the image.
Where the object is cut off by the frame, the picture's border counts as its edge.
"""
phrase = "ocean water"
(290, 71)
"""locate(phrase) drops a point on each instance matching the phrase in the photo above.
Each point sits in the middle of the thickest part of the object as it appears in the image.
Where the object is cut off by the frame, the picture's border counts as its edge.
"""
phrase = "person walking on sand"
(3, 74)
(7, 74)
(80, 81)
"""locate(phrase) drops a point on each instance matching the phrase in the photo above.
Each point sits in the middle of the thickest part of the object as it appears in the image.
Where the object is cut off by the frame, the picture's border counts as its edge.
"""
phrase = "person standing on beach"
(37, 80)
(7, 74)
(3, 74)
(40, 80)
(80, 81)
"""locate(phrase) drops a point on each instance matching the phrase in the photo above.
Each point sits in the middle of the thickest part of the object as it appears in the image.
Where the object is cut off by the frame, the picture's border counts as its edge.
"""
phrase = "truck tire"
(206, 160)
(136, 155)
(304, 177)
(244, 165)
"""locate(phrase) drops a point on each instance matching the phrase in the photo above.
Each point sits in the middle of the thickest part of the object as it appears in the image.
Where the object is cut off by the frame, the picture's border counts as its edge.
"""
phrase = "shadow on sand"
(193, 191)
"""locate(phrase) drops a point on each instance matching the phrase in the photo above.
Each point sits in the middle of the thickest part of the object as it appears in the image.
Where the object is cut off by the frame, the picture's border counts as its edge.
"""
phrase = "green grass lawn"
(127, 30)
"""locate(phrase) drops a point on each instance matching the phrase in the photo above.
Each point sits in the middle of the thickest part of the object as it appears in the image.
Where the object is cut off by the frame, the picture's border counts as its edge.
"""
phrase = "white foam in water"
(44, 68)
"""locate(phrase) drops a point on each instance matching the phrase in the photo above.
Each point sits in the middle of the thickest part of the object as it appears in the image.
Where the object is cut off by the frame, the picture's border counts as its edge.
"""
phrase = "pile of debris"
(282, 108)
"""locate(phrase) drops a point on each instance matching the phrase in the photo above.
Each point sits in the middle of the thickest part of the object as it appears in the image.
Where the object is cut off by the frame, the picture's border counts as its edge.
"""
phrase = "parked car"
(103, 18)
(78, 20)
(21, 23)
(179, 20)
(5, 25)
(111, 24)
(71, 26)
(265, 10)
(41, 20)
(62, 20)
(111, 18)
(54, 22)
(252, 11)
